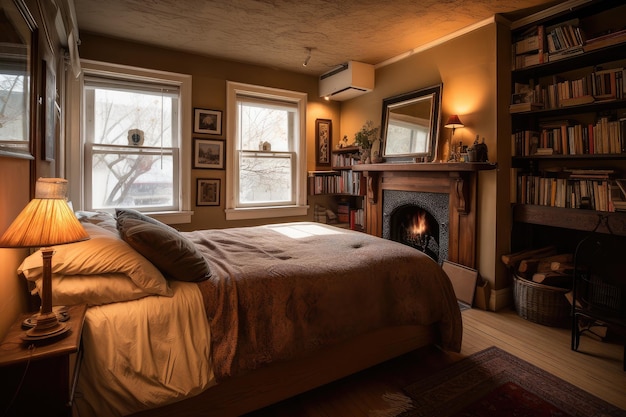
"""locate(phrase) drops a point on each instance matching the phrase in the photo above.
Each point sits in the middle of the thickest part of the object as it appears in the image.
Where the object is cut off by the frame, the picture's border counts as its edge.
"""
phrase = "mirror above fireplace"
(410, 125)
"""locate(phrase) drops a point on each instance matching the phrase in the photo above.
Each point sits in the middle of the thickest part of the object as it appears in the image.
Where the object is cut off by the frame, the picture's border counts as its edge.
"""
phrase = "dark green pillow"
(172, 253)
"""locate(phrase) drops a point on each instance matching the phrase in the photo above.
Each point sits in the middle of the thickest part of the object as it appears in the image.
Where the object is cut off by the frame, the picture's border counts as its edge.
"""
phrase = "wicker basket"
(541, 303)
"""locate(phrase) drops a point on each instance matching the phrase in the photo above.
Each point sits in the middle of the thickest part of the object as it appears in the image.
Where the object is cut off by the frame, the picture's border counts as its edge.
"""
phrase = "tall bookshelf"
(344, 187)
(568, 118)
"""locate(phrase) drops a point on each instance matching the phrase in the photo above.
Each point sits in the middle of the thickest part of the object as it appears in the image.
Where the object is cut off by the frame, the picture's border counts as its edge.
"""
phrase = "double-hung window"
(132, 130)
(267, 162)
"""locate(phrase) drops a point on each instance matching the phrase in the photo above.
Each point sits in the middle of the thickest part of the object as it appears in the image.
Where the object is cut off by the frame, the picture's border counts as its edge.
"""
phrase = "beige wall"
(467, 67)
(209, 92)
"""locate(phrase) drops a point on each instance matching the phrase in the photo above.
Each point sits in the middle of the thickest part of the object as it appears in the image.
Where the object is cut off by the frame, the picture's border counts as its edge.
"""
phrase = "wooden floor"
(596, 367)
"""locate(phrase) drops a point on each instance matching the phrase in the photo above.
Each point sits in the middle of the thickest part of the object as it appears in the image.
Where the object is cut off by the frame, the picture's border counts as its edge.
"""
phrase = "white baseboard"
(501, 298)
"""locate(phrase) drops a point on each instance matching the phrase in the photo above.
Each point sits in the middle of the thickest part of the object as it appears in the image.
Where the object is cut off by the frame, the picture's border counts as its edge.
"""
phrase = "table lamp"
(453, 123)
(46, 220)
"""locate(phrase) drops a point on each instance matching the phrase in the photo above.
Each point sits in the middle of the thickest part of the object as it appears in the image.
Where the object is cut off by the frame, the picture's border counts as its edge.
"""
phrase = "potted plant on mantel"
(364, 139)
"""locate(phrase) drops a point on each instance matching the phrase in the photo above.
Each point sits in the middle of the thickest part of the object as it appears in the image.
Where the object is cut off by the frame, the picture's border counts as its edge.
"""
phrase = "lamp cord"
(31, 349)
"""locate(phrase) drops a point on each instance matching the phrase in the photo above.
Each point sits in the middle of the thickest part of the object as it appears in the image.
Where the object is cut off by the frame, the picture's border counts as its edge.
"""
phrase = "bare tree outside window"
(265, 176)
(124, 174)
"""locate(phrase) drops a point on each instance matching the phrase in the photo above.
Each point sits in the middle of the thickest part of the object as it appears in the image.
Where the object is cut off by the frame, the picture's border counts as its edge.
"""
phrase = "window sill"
(265, 212)
(172, 217)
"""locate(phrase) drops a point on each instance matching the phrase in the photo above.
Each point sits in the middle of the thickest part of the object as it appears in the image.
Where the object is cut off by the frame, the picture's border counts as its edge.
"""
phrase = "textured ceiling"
(276, 33)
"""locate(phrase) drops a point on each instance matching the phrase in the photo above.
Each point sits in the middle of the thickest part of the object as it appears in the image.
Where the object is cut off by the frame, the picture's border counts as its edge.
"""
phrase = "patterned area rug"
(494, 383)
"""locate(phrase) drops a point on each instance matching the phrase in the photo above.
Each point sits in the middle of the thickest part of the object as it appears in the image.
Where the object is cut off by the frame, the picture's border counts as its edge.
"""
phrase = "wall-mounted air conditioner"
(347, 81)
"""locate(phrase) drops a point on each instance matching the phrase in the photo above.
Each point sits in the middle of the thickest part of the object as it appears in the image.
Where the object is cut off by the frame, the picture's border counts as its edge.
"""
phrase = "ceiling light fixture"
(308, 57)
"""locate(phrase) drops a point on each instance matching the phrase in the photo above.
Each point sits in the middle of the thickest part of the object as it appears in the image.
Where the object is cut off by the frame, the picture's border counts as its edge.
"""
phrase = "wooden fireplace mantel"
(457, 179)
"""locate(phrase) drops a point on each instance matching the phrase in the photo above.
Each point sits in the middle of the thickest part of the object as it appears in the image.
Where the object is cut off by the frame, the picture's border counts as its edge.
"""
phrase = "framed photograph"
(323, 135)
(207, 121)
(208, 153)
(208, 193)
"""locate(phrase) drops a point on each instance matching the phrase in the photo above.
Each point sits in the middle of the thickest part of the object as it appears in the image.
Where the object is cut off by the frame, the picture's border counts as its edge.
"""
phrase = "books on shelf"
(346, 158)
(529, 49)
(343, 211)
(565, 36)
(566, 190)
(522, 107)
(567, 137)
(608, 84)
(335, 182)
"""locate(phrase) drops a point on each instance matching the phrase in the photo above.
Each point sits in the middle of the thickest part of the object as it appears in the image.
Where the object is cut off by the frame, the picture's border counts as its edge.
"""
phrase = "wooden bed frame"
(279, 381)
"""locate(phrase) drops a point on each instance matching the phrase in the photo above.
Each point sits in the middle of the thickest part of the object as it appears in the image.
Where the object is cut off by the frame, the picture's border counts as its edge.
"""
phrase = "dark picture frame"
(209, 153)
(208, 191)
(207, 121)
(323, 141)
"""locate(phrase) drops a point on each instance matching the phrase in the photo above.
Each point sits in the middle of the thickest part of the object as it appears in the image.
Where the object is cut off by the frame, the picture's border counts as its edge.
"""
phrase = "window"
(132, 144)
(266, 158)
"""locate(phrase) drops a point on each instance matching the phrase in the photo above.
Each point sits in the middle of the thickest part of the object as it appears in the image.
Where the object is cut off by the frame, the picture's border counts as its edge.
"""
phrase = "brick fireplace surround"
(458, 180)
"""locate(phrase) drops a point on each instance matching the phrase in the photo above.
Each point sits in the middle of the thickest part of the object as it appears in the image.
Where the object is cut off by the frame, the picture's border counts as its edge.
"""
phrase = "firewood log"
(512, 259)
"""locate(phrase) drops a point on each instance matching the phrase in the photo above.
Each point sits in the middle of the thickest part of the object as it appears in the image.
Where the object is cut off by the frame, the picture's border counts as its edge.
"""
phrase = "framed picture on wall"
(208, 153)
(323, 135)
(207, 121)
(208, 192)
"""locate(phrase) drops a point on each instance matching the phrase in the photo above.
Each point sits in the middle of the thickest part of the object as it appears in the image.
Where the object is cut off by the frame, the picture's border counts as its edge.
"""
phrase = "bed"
(222, 322)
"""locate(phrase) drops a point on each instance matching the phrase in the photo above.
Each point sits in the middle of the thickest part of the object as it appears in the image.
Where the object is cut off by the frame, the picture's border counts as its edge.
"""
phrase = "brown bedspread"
(280, 291)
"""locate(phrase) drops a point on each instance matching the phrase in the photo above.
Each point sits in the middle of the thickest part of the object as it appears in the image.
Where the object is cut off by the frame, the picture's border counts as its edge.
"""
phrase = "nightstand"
(49, 370)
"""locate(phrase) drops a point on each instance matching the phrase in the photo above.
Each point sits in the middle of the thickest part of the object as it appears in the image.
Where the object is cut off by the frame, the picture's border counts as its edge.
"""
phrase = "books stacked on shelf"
(343, 211)
(528, 50)
(565, 93)
(607, 39)
(524, 143)
(564, 40)
(357, 219)
(566, 137)
(608, 84)
(584, 189)
(347, 157)
(335, 182)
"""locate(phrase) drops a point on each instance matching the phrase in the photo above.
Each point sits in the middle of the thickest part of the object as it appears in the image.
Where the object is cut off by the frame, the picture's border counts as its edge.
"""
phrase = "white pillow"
(92, 290)
(99, 218)
(104, 253)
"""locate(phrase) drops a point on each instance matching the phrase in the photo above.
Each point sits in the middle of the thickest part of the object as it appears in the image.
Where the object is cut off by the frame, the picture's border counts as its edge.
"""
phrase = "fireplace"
(446, 191)
(417, 219)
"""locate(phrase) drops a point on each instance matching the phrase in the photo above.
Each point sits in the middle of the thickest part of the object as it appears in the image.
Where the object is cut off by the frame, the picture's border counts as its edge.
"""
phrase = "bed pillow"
(105, 252)
(99, 218)
(126, 213)
(92, 290)
(175, 255)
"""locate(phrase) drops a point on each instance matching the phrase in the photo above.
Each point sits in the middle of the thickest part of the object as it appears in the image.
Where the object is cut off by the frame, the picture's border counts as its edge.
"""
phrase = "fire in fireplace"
(413, 226)
(417, 219)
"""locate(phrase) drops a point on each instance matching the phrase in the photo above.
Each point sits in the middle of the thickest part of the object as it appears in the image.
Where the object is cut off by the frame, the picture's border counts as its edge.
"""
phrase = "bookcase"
(568, 119)
(345, 189)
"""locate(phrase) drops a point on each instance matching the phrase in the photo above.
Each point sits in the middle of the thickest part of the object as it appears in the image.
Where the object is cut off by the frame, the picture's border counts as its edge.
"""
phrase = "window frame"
(232, 209)
(75, 151)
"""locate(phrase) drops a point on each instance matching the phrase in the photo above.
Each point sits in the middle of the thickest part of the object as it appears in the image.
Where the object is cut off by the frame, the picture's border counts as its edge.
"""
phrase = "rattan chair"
(599, 288)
